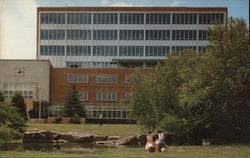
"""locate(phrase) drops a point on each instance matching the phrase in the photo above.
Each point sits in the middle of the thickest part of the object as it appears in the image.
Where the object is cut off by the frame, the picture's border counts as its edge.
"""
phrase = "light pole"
(39, 99)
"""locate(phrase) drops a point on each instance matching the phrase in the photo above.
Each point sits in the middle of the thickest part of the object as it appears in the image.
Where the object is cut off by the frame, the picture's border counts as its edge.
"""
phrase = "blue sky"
(18, 18)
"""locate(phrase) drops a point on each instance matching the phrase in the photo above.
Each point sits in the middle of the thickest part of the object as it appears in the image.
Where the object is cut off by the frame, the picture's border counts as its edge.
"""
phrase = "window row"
(106, 78)
(130, 50)
(79, 18)
(181, 48)
(211, 18)
(78, 78)
(25, 89)
(104, 50)
(78, 50)
(106, 96)
(123, 35)
(158, 18)
(156, 50)
(157, 34)
(184, 18)
(132, 18)
(104, 34)
(52, 18)
(184, 35)
(52, 34)
(52, 50)
(78, 34)
(131, 35)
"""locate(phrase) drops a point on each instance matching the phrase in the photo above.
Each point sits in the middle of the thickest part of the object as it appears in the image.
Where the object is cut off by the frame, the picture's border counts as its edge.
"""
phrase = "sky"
(18, 18)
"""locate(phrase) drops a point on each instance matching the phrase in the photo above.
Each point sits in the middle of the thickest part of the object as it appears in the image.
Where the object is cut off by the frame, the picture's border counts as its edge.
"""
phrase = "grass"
(225, 151)
(106, 129)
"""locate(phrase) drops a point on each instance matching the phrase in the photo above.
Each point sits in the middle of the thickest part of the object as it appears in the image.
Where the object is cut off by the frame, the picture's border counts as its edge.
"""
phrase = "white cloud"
(175, 3)
(105, 1)
(122, 4)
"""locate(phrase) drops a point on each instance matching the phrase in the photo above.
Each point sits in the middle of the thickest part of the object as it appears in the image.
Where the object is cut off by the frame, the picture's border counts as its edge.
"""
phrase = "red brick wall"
(59, 83)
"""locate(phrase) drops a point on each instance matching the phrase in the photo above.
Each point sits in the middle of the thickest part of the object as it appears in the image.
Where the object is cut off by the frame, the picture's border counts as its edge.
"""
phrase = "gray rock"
(100, 138)
(131, 140)
(114, 137)
(75, 137)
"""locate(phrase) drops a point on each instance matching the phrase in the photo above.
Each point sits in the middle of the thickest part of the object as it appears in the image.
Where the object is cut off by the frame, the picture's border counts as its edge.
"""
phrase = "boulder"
(142, 139)
(131, 140)
(36, 136)
(100, 138)
(114, 137)
(108, 143)
(76, 137)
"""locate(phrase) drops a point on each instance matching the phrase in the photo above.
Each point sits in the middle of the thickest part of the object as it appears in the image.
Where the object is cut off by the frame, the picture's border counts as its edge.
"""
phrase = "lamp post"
(39, 99)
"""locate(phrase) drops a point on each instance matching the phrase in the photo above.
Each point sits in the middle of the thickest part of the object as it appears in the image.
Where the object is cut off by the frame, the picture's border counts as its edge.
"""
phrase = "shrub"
(75, 119)
(58, 119)
(5, 136)
(16, 135)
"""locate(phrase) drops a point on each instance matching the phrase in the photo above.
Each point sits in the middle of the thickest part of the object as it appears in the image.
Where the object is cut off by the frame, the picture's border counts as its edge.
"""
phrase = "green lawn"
(106, 129)
(224, 151)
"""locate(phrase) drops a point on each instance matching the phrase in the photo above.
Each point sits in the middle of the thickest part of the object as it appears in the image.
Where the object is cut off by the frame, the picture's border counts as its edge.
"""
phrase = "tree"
(73, 104)
(1, 97)
(202, 95)
(18, 102)
(217, 96)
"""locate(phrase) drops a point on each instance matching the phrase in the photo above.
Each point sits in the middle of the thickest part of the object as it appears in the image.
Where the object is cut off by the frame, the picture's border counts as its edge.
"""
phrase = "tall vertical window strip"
(78, 50)
(203, 34)
(52, 50)
(184, 18)
(211, 18)
(78, 78)
(106, 78)
(52, 18)
(79, 18)
(105, 18)
(184, 35)
(78, 34)
(104, 34)
(157, 18)
(131, 51)
(156, 50)
(52, 34)
(106, 96)
(104, 50)
(131, 18)
(157, 34)
(181, 48)
(131, 35)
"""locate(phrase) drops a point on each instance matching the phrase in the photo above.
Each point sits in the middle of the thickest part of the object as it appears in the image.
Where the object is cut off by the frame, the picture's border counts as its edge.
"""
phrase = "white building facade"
(121, 37)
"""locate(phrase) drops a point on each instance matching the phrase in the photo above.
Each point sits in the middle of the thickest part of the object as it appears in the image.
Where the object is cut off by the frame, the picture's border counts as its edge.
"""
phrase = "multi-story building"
(95, 47)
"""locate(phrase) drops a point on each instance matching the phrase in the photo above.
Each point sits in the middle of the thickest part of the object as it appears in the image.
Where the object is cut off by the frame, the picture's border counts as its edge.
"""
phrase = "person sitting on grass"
(160, 144)
(150, 142)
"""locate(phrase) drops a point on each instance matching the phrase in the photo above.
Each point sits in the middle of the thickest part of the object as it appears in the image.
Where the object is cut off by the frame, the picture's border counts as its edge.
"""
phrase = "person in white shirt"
(160, 144)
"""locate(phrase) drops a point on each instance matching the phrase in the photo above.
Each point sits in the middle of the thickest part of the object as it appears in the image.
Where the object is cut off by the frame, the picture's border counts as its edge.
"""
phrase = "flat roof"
(135, 9)
(43, 60)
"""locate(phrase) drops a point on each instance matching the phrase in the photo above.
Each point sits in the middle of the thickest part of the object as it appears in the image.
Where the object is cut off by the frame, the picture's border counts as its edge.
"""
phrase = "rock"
(142, 140)
(131, 140)
(35, 136)
(75, 137)
(100, 138)
(51, 135)
(114, 137)
(108, 143)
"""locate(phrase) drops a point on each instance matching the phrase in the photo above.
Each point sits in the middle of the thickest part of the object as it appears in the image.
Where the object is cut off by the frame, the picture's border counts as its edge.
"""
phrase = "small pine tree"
(18, 102)
(73, 104)
(1, 97)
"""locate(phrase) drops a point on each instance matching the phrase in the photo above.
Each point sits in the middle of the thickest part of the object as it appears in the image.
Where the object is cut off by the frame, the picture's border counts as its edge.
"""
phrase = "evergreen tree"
(18, 102)
(73, 104)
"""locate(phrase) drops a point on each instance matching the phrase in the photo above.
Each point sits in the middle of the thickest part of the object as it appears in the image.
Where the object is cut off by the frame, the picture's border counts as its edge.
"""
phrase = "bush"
(5, 136)
(58, 119)
(75, 119)
(16, 135)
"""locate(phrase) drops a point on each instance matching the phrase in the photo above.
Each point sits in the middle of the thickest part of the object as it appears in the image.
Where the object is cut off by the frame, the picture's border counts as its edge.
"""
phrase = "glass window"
(106, 96)
(157, 18)
(156, 50)
(131, 18)
(131, 51)
(105, 18)
(83, 95)
(78, 78)
(104, 50)
(131, 35)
